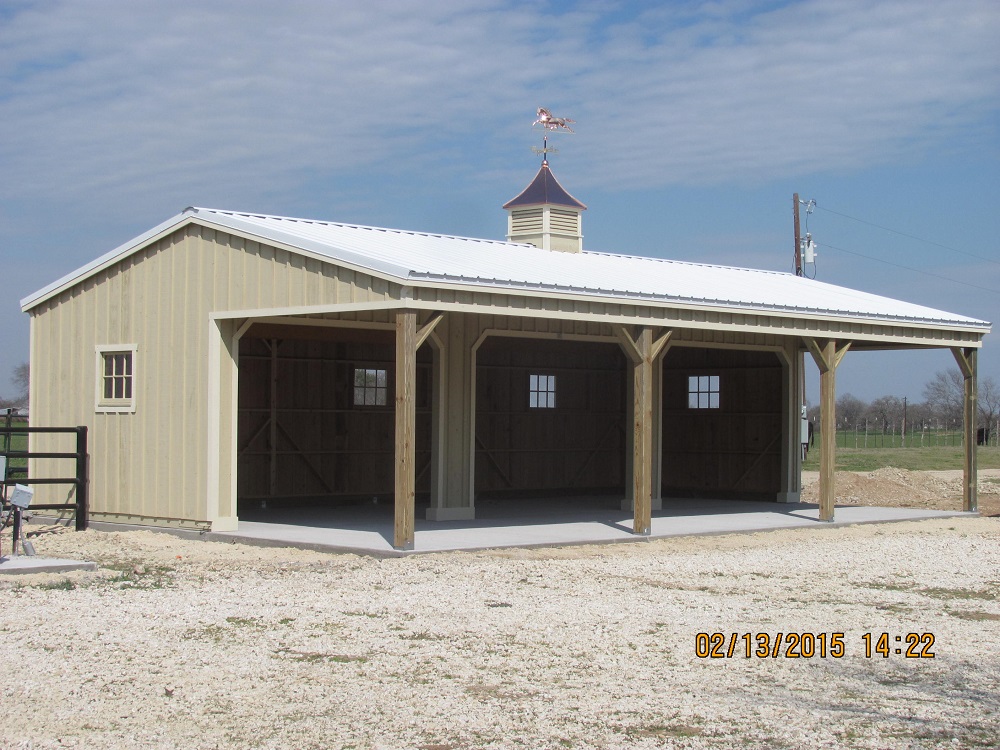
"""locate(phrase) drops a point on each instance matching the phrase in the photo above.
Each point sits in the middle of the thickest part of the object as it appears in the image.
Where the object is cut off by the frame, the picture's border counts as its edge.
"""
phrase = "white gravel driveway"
(207, 645)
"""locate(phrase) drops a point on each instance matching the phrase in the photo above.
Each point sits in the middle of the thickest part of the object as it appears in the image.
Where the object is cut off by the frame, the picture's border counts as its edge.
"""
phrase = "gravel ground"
(187, 644)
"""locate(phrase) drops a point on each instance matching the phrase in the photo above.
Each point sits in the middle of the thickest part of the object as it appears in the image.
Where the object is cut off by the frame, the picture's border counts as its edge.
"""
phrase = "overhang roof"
(416, 258)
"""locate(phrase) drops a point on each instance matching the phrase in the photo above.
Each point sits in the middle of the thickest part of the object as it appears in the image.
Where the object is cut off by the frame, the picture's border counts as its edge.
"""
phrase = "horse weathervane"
(550, 124)
(548, 121)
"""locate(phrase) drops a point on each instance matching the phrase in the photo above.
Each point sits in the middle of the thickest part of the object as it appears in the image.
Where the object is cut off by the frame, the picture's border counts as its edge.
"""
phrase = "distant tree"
(850, 410)
(919, 415)
(887, 410)
(21, 380)
(945, 393)
(988, 399)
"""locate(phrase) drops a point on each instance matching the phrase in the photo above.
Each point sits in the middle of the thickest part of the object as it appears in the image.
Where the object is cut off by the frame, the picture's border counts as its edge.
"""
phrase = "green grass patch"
(63, 585)
(936, 458)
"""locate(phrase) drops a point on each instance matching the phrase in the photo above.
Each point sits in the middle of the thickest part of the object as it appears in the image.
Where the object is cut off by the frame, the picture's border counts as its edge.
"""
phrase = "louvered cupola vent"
(545, 215)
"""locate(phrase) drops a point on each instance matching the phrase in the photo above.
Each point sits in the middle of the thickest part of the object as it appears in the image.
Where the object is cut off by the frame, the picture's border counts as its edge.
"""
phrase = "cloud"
(110, 97)
(806, 87)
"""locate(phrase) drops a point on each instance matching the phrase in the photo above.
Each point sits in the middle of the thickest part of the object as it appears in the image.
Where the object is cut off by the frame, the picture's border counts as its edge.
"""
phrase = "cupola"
(545, 215)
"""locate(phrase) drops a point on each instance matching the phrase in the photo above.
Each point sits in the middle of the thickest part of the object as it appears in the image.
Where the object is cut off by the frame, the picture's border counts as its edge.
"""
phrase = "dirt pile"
(902, 488)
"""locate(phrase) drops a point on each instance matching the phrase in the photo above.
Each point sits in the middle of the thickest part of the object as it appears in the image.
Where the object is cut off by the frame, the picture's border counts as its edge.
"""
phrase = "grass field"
(915, 459)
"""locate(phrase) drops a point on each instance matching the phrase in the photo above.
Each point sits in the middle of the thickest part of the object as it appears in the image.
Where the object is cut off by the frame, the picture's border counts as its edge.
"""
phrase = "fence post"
(82, 509)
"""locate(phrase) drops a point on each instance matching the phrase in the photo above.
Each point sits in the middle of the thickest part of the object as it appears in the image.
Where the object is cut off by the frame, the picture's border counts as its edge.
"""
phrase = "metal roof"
(443, 260)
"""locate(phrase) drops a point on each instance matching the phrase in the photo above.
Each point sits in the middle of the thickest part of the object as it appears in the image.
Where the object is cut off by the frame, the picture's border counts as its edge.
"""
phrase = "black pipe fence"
(80, 481)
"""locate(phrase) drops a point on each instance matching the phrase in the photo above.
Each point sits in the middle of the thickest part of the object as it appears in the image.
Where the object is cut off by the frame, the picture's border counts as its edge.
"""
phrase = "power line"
(908, 268)
(912, 237)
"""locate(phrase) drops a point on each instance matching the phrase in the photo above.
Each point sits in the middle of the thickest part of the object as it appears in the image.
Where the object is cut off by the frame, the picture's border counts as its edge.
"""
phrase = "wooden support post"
(406, 419)
(828, 358)
(828, 433)
(968, 363)
(273, 421)
(642, 351)
(642, 443)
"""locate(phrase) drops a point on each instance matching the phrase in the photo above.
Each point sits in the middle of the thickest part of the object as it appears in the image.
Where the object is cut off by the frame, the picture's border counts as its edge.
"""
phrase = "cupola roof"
(544, 190)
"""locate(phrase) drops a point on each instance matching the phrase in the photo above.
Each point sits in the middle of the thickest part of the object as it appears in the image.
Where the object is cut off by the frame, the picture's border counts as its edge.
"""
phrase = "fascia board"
(641, 319)
(608, 299)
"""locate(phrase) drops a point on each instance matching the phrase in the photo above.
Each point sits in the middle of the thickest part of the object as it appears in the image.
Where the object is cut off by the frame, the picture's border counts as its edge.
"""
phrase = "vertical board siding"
(735, 449)
(576, 446)
(319, 429)
(153, 464)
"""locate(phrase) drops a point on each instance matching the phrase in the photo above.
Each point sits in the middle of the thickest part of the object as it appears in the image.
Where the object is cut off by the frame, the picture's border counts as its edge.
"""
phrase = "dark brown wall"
(322, 434)
(576, 447)
(734, 450)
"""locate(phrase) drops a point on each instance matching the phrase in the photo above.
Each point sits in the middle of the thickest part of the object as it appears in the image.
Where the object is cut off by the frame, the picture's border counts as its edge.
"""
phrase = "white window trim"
(540, 395)
(117, 405)
(707, 391)
(375, 389)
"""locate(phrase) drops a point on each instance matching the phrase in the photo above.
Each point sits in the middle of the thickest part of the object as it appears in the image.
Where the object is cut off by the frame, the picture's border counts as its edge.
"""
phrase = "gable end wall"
(151, 465)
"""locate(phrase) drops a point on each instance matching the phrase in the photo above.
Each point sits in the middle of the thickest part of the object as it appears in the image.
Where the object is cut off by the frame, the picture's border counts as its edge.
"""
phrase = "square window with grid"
(115, 379)
(703, 392)
(542, 391)
(371, 387)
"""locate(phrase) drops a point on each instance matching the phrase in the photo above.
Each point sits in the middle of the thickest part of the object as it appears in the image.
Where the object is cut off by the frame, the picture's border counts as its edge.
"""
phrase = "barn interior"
(552, 422)
(316, 418)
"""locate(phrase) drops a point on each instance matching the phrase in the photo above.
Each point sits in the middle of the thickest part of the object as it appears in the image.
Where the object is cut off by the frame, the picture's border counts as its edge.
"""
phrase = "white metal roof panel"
(447, 260)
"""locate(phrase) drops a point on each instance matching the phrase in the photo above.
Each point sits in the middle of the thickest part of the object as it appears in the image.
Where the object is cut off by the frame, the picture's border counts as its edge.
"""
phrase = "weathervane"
(550, 124)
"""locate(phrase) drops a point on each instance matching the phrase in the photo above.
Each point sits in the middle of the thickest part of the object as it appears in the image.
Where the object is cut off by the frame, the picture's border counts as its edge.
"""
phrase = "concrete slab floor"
(539, 523)
(25, 564)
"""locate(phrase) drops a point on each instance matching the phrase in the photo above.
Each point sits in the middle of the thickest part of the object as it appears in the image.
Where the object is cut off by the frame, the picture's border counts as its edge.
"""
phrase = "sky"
(695, 124)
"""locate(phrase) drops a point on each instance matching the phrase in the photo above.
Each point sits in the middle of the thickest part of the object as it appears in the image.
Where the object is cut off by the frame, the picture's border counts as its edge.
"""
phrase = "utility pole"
(802, 365)
(798, 238)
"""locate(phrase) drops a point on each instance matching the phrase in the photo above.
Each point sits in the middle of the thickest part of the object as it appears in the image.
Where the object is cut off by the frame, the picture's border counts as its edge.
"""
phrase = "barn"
(224, 361)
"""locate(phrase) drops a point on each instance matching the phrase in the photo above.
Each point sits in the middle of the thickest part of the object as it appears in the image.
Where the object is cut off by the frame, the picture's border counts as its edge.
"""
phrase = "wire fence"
(877, 436)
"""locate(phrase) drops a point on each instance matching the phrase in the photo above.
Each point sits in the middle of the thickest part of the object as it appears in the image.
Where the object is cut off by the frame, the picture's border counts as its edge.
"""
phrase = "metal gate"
(13, 475)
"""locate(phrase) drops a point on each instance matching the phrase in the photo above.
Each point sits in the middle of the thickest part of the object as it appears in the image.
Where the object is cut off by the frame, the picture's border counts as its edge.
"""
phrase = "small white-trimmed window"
(371, 387)
(116, 378)
(542, 391)
(703, 392)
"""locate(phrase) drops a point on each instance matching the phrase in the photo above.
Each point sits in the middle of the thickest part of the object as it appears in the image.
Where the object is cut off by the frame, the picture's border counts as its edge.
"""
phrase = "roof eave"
(721, 306)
